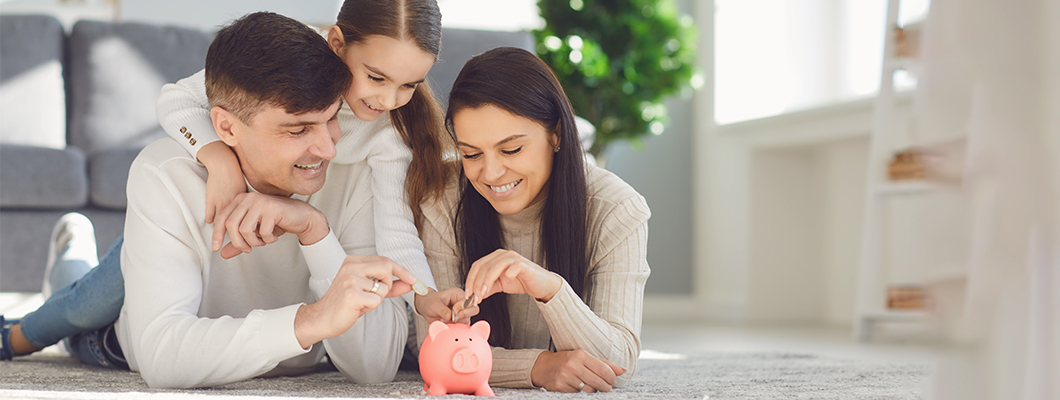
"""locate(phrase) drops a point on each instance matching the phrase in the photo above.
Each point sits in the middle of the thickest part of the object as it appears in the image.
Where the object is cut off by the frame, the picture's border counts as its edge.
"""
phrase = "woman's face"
(507, 158)
(386, 71)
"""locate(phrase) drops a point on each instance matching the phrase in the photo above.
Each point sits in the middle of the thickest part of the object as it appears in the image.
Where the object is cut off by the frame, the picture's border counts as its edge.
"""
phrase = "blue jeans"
(82, 313)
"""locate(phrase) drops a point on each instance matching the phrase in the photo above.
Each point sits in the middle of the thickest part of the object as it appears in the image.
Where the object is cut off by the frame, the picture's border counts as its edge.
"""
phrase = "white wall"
(805, 229)
(209, 15)
(780, 214)
(843, 169)
(662, 173)
(785, 280)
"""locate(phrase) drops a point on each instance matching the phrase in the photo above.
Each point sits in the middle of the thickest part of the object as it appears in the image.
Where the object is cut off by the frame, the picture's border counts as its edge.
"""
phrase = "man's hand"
(574, 371)
(255, 219)
(446, 306)
(359, 287)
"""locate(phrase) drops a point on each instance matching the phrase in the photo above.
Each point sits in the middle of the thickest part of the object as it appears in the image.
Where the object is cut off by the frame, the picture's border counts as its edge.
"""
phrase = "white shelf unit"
(912, 231)
(908, 187)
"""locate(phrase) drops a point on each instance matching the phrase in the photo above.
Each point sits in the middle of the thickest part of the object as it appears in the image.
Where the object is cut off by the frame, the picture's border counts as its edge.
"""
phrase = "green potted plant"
(618, 61)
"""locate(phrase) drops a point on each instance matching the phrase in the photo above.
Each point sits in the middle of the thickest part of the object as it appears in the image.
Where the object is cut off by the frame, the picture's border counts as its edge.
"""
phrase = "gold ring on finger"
(375, 286)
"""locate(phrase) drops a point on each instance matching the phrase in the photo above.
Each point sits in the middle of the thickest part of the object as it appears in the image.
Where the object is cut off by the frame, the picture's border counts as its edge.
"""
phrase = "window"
(777, 56)
(506, 15)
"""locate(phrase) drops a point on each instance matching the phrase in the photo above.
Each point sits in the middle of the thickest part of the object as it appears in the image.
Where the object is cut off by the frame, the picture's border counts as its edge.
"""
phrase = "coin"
(420, 288)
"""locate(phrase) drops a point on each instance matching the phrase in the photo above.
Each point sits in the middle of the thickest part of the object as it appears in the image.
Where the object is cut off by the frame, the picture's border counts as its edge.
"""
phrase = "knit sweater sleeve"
(395, 231)
(162, 266)
(184, 113)
(439, 247)
(512, 367)
(439, 241)
(608, 323)
(371, 350)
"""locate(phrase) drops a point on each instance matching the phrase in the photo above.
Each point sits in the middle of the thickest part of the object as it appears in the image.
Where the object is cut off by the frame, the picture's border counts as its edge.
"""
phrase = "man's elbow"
(165, 375)
(163, 379)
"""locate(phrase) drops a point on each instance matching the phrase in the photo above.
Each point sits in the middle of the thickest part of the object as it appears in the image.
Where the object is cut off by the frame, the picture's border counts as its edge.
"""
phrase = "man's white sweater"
(194, 319)
(184, 113)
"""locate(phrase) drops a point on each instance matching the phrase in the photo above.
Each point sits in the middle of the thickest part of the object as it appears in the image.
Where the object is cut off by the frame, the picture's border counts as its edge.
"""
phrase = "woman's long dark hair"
(517, 81)
(420, 121)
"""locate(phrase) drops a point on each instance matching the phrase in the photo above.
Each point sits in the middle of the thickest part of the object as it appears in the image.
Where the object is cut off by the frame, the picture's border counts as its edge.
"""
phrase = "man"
(192, 318)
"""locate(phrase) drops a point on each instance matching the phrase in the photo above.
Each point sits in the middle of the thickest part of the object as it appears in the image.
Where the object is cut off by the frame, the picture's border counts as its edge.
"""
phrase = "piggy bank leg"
(435, 390)
(485, 390)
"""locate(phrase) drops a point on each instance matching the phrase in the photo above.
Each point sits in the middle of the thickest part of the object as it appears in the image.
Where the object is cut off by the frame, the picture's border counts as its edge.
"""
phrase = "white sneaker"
(72, 238)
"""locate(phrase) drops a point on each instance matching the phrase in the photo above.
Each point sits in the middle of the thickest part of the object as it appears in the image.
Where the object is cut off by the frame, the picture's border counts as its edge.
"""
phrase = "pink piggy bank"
(456, 358)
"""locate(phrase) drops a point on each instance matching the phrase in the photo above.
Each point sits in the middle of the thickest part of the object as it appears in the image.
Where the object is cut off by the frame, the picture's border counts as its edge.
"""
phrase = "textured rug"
(659, 376)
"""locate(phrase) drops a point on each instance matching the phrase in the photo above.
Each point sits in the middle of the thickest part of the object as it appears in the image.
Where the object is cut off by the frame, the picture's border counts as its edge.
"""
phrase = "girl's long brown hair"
(420, 121)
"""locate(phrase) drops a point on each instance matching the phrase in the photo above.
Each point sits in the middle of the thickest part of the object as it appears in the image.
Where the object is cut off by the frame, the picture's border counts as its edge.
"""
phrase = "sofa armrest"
(40, 178)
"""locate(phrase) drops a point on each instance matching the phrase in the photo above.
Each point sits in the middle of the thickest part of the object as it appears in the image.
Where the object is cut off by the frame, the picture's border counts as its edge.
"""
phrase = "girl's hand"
(224, 182)
(574, 371)
(446, 306)
(507, 271)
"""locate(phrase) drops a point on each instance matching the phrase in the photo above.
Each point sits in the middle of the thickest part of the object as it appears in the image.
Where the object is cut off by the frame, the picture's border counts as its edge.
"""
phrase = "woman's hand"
(224, 182)
(507, 271)
(446, 306)
(574, 371)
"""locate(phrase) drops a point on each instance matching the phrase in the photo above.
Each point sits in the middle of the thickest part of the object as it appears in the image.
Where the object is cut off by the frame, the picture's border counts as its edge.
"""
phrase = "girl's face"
(386, 71)
(507, 158)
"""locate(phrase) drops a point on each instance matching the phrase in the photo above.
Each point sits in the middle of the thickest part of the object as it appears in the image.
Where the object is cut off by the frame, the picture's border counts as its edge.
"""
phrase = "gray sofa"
(76, 107)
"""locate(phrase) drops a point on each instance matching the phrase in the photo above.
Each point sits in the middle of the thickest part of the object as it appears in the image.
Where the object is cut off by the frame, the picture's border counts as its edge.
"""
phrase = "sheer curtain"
(992, 68)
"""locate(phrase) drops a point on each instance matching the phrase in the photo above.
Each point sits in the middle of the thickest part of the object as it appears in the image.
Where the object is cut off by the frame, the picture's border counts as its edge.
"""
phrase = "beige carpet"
(660, 376)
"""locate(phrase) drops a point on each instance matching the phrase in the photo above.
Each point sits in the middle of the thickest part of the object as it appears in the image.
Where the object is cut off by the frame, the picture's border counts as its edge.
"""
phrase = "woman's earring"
(556, 150)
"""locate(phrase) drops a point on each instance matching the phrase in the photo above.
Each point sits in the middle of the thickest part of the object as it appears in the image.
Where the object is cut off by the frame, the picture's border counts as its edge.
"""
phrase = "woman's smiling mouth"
(504, 188)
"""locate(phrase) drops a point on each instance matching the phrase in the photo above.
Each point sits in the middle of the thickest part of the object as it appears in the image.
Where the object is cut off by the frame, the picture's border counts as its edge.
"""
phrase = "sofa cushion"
(116, 73)
(459, 45)
(32, 96)
(108, 170)
(38, 177)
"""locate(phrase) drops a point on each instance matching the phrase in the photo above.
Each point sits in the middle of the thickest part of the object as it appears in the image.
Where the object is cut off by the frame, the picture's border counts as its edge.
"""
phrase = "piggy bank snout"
(465, 361)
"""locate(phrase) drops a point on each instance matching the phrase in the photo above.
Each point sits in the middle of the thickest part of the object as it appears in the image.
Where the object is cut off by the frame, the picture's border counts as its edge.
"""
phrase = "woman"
(551, 251)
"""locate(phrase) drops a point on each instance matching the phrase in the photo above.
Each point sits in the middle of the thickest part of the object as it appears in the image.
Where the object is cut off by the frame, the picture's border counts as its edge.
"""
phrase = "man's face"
(282, 153)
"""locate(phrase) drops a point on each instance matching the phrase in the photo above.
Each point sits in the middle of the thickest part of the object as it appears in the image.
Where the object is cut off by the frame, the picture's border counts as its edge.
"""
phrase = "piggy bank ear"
(436, 328)
(482, 328)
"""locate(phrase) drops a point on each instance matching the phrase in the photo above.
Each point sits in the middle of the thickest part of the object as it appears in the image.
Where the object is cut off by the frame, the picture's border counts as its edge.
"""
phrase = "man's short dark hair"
(267, 59)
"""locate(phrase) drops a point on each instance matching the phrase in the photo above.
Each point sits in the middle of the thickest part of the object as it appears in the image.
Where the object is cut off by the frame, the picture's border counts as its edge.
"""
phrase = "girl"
(552, 251)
